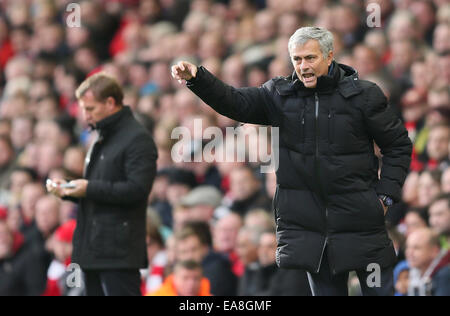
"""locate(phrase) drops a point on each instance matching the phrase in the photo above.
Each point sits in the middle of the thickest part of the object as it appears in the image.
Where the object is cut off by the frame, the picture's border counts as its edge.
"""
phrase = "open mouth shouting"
(308, 77)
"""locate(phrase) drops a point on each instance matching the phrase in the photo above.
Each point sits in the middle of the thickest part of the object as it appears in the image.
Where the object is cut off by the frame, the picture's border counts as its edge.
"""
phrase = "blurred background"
(218, 214)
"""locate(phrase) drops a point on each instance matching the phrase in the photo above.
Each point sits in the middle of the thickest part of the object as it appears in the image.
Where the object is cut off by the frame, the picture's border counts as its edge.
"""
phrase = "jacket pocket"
(293, 128)
(110, 239)
(122, 239)
(379, 207)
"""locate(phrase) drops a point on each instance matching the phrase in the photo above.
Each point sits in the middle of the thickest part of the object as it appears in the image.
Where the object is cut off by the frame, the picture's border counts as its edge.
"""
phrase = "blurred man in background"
(109, 242)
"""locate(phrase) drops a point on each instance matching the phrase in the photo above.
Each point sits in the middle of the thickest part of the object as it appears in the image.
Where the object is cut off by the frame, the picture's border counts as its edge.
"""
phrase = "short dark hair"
(435, 174)
(102, 86)
(440, 197)
(29, 171)
(200, 230)
(154, 234)
(7, 140)
(188, 265)
(440, 125)
(421, 212)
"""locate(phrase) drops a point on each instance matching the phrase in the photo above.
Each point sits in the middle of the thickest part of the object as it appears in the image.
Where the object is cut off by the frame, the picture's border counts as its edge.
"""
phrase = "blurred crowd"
(211, 230)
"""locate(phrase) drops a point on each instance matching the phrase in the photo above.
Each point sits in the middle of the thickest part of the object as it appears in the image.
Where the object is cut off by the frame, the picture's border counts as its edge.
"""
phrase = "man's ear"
(330, 57)
(111, 103)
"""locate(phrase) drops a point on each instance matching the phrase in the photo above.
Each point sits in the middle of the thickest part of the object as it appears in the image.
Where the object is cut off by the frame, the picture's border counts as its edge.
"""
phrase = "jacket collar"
(340, 76)
(109, 123)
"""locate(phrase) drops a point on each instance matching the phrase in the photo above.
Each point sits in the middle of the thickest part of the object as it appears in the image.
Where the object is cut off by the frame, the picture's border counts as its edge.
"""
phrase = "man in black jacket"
(109, 241)
(330, 203)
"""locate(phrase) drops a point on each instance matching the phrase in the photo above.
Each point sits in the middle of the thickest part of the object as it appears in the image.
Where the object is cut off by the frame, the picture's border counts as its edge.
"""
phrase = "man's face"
(190, 249)
(5, 154)
(246, 250)
(440, 216)
(309, 62)
(203, 213)
(5, 241)
(445, 181)
(226, 232)
(402, 282)
(18, 181)
(93, 110)
(30, 195)
(438, 141)
(243, 184)
(428, 189)
(47, 214)
(267, 249)
(187, 282)
(413, 222)
(419, 252)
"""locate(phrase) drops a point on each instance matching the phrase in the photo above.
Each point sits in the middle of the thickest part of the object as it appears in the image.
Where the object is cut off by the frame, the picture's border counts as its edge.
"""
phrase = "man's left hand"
(385, 208)
(79, 191)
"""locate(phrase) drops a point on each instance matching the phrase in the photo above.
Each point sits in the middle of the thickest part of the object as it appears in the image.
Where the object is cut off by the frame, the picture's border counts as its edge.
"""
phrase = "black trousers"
(326, 284)
(112, 282)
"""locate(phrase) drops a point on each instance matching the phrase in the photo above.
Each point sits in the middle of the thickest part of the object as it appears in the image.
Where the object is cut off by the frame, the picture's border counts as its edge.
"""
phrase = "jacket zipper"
(325, 243)
(316, 97)
(323, 251)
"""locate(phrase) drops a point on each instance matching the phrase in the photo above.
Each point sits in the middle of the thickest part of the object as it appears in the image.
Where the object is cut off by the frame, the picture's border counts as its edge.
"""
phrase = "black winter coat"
(217, 269)
(327, 180)
(110, 232)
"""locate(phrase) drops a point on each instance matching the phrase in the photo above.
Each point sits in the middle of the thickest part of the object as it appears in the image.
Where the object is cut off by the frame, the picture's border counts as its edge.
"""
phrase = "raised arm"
(248, 105)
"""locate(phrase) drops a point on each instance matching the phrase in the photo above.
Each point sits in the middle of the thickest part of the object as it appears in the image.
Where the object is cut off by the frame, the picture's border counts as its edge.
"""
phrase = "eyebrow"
(307, 56)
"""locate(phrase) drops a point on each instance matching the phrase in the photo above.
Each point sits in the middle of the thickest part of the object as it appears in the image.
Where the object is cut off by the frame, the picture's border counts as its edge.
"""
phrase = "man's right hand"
(57, 191)
(184, 71)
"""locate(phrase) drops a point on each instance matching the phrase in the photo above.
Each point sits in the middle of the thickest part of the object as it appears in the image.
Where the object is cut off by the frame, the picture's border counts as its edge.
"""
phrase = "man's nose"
(304, 65)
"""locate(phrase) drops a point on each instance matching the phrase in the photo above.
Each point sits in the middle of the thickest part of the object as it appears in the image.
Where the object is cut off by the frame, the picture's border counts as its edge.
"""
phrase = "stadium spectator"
(429, 186)
(415, 219)
(6, 161)
(201, 203)
(439, 217)
(247, 250)
(21, 270)
(401, 278)
(153, 277)
(225, 233)
(246, 191)
(194, 242)
(57, 274)
(430, 266)
(187, 280)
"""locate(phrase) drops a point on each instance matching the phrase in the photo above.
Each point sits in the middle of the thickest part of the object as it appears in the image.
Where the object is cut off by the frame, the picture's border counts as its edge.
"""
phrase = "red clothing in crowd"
(6, 52)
